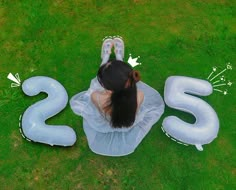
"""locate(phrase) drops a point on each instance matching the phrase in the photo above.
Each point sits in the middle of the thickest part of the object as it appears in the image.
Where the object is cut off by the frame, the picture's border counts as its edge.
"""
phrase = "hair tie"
(135, 75)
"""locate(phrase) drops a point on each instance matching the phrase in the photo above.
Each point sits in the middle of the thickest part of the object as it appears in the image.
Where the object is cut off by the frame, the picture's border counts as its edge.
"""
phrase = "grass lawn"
(62, 40)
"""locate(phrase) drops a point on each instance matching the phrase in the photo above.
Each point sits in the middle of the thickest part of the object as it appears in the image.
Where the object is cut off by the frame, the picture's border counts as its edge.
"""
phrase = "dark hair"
(120, 78)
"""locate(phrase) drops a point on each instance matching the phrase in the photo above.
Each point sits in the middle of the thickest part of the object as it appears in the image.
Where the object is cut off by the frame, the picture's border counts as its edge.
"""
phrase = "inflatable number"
(33, 120)
(177, 95)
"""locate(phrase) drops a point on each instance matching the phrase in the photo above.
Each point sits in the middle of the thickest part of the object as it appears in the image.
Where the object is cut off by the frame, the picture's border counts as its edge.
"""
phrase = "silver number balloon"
(177, 94)
(33, 120)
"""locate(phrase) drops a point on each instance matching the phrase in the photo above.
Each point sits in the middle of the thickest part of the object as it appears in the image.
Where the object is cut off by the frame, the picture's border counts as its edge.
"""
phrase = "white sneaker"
(106, 50)
(119, 48)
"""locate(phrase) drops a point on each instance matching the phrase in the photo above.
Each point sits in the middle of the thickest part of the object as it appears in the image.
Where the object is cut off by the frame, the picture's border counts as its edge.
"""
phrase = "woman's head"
(121, 79)
(117, 75)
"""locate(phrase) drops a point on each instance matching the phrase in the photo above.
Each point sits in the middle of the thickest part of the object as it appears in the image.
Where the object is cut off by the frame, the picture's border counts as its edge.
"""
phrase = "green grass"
(62, 40)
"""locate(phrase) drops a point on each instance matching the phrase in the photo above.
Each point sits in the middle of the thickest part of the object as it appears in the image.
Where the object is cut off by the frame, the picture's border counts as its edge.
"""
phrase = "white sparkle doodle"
(229, 83)
(216, 81)
(22, 134)
(220, 80)
(218, 74)
(218, 90)
(213, 70)
(219, 85)
(116, 36)
(15, 79)
(173, 139)
(229, 66)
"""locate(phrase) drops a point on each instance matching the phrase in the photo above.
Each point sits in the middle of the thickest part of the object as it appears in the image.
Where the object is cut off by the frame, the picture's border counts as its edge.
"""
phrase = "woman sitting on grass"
(118, 109)
(120, 100)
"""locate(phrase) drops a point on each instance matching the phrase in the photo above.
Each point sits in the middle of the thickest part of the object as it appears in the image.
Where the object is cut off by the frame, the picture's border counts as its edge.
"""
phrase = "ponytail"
(124, 105)
(124, 102)
(121, 79)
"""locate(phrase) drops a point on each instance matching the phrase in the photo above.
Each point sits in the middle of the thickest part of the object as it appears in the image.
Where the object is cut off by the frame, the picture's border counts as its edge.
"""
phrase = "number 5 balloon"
(177, 94)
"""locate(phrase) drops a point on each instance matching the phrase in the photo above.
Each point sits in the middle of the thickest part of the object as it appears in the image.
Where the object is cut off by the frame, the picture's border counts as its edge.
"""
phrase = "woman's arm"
(140, 97)
(94, 98)
(101, 100)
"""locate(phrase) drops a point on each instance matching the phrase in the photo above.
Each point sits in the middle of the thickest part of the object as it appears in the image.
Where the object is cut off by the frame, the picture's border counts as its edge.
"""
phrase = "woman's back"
(121, 98)
(106, 140)
(101, 100)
